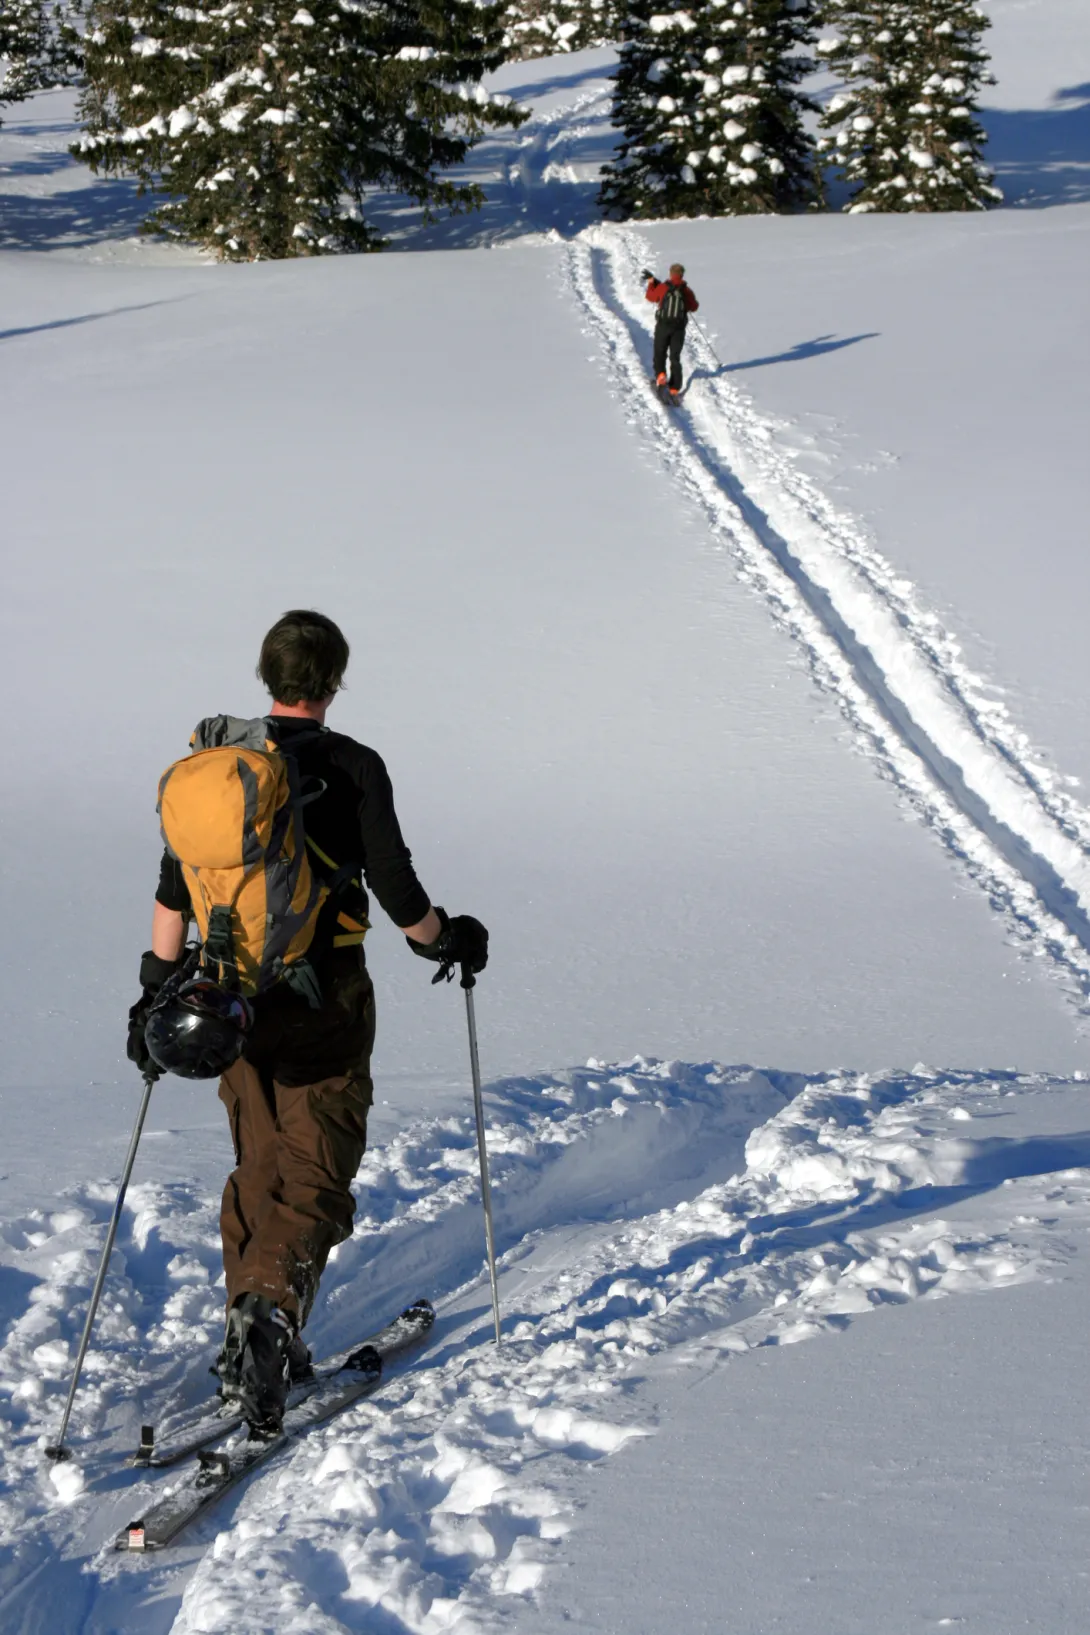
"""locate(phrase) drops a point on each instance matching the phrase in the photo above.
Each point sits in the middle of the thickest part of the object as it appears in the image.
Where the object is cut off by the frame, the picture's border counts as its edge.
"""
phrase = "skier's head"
(677, 273)
(303, 658)
(198, 1030)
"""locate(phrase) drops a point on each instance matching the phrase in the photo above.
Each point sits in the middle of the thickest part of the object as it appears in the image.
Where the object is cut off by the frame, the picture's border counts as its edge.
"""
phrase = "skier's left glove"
(462, 941)
(153, 973)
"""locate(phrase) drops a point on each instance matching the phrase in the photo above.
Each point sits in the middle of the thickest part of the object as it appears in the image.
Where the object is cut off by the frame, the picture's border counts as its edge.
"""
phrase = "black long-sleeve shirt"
(353, 821)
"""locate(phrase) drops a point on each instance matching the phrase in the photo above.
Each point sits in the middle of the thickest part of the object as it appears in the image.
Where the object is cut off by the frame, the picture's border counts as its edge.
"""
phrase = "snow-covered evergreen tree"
(708, 102)
(545, 28)
(265, 121)
(904, 129)
(36, 48)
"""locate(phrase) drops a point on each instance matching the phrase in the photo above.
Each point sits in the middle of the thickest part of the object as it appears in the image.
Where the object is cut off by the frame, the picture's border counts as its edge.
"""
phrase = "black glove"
(462, 941)
(153, 973)
(648, 277)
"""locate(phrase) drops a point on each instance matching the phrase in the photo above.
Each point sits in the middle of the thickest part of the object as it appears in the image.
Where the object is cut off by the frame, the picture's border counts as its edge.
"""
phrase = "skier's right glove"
(648, 277)
(153, 973)
(462, 941)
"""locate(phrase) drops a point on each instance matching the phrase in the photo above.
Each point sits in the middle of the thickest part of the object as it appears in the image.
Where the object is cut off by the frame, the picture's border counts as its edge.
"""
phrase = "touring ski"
(219, 1470)
(217, 1419)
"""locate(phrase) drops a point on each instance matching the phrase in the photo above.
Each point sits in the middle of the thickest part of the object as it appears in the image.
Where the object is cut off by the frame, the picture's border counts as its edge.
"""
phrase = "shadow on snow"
(1042, 157)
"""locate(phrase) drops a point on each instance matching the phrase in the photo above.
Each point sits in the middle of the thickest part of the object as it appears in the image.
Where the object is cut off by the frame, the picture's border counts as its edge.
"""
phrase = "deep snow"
(635, 678)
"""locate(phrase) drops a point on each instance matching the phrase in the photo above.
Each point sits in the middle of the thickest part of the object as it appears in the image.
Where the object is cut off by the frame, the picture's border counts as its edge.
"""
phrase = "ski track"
(574, 1147)
(930, 723)
(677, 1211)
(437, 1508)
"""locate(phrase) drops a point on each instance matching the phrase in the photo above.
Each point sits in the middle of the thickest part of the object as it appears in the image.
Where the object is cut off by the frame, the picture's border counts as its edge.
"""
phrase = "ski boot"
(262, 1356)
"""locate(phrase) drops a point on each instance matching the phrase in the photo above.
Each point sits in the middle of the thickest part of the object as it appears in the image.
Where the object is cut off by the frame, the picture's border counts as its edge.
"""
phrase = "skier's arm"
(167, 932)
(426, 930)
(655, 291)
(171, 912)
(691, 301)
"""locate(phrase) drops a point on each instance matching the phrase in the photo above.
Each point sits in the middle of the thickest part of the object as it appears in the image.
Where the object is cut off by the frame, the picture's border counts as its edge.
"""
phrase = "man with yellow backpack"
(272, 827)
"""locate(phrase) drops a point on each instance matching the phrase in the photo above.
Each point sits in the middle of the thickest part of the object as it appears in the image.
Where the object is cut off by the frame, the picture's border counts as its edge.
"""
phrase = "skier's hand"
(648, 277)
(153, 973)
(462, 941)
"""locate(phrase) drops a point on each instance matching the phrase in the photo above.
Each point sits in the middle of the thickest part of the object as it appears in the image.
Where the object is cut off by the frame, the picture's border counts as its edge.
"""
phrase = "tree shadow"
(1041, 157)
(796, 354)
(536, 88)
(77, 218)
(84, 318)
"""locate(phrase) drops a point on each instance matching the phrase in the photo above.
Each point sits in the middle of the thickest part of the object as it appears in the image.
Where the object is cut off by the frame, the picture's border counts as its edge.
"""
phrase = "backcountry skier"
(675, 300)
(293, 1042)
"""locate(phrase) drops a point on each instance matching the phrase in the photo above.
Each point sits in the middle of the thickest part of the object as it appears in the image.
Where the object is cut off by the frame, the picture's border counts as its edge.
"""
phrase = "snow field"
(933, 725)
(441, 1504)
(738, 1209)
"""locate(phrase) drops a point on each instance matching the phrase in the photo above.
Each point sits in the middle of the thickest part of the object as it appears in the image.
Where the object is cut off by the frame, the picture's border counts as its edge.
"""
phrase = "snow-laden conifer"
(37, 48)
(903, 130)
(265, 121)
(708, 102)
(545, 28)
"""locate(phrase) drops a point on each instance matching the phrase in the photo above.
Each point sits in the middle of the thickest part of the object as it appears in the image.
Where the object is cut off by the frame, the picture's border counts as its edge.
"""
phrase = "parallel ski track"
(933, 727)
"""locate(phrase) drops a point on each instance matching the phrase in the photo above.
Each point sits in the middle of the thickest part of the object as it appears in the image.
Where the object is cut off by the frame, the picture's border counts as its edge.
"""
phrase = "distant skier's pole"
(468, 981)
(703, 333)
(58, 1449)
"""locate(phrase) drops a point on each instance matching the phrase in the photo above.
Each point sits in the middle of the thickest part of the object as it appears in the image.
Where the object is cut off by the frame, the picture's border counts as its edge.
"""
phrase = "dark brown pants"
(298, 1104)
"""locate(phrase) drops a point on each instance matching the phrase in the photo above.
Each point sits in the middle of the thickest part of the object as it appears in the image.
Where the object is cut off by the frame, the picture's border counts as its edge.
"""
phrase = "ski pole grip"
(468, 978)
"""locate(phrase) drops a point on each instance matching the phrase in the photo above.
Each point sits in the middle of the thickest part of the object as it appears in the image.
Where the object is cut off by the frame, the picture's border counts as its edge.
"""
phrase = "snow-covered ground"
(754, 735)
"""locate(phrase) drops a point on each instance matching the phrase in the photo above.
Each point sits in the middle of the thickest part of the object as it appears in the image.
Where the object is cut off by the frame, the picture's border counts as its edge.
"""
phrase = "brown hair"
(303, 658)
(677, 268)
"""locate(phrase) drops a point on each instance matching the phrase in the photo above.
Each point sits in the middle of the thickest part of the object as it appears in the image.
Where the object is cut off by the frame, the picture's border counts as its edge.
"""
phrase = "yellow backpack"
(231, 813)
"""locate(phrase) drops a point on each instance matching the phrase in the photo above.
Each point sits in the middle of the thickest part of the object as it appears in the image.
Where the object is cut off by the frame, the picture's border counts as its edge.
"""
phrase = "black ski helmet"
(199, 1030)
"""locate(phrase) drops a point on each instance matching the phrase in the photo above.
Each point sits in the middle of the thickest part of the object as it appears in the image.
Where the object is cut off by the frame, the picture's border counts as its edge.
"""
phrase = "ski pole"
(468, 983)
(58, 1449)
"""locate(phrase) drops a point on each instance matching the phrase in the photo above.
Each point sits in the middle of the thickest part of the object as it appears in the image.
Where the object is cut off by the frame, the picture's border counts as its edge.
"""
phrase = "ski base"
(219, 1470)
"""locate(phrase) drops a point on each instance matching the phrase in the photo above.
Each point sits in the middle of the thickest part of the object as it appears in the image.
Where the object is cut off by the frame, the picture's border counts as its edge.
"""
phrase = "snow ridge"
(438, 1507)
(929, 722)
(644, 1211)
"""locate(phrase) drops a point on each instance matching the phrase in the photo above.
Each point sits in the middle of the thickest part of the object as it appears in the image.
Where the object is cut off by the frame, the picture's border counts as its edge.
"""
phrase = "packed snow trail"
(441, 1505)
(743, 1208)
(896, 673)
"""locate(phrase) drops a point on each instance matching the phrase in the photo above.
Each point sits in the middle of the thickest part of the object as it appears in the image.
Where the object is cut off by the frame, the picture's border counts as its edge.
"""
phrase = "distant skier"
(675, 300)
(281, 1004)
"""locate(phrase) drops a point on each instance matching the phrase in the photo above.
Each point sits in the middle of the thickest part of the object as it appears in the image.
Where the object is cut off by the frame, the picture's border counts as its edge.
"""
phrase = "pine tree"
(265, 121)
(709, 105)
(545, 28)
(38, 48)
(904, 129)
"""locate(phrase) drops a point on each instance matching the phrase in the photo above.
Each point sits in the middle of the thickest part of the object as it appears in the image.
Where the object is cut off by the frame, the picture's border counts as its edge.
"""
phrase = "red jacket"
(656, 291)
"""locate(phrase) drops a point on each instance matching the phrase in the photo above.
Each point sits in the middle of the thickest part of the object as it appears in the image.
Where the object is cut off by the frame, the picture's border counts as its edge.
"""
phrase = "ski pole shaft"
(482, 1146)
(58, 1449)
(702, 332)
